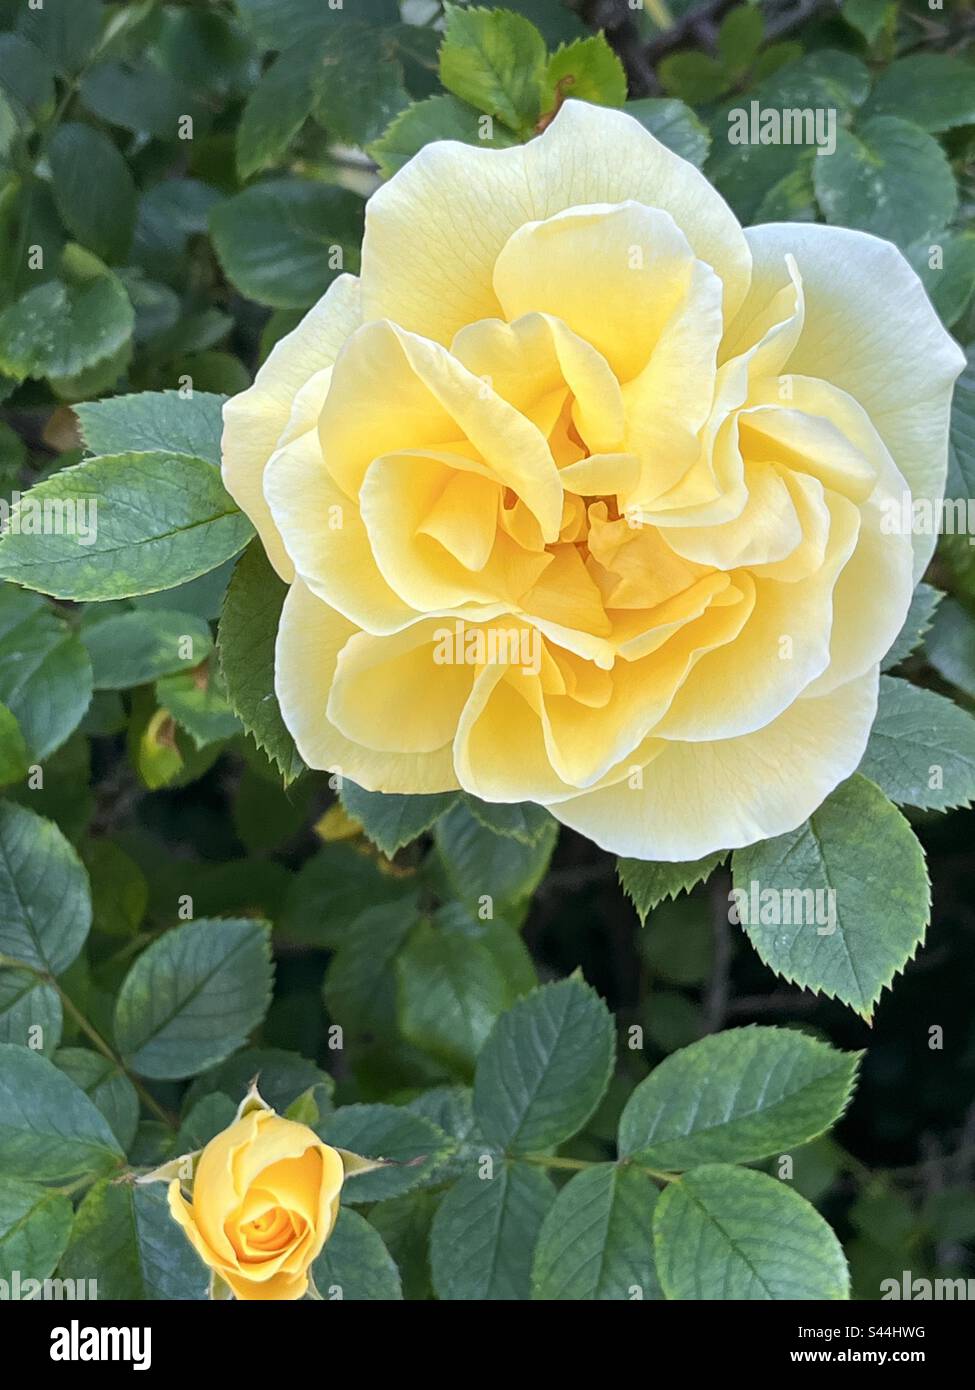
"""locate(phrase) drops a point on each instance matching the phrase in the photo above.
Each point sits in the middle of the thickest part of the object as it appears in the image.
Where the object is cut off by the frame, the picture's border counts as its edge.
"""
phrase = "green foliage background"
(183, 905)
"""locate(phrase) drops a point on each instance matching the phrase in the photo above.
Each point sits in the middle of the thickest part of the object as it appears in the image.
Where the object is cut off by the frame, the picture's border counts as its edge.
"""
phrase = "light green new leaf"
(922, 748)
(390, 820)
(484, 1234)
(916, 624)
(124, 1235)
(162, 519)
(412, 1145)
(731, 1233)
(859, 846)
(106, 1085)
(154, 422)
(193, 996)
(494, 59)
(587, 70)
(596, 1242)
(246, 637)
(93, 189)
(674, 124)
(35, 1223)
(544, 1068)
(868, 16)
(45, 904)
(49, 1130)
(197, 700)
(890, 178)
(435, 118)
(647, 883)
(355, 1264)
(45, 673)
(735, 1097)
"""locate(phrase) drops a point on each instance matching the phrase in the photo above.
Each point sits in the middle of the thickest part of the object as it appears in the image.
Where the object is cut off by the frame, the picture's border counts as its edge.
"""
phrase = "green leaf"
(276, 109)
(731, 1233)
(119, 891)
(936, 89)
(520, 820)
(919, 617)
(26, 76)
(45, 906)
(330, 891)
(922, 748)
(355, 1265)
(451, 993)
(389, 820)
(891, 178)
(412, 1145)
(123, 1234)
(35, 1223)
(281, 1076)
(67, 325)
(106, 1085)
(496, 60)
(283, 242)
(861, 847)
(129, 649)
(436, 118)
(14, 753)
(360, 84)
(193, 996)
(65, 31)
(481, 865)
(141, 97)
(961, 439)
(162, 519)
(93, 190)
(950, 646)
(647, 884)
(735, 1097)
(587, 70)
(49, 1129)
(360, 984)
(674, 124)
(692, 76)
(30, 1011)
(485, 1231)
(740, 37)
(246, 637)
(869, 17)
(951, 285)
(596, 1242)
(45, 674)
(166, 422)
(204, 1121)
(197, 700)
(276, 22)
(544, 1068)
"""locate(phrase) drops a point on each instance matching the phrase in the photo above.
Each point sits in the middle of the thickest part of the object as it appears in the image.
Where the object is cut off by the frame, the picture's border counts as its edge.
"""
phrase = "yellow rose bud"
(265, 1198)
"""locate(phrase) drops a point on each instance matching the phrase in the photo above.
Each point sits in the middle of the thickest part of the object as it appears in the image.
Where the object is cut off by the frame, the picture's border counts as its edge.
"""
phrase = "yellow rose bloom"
(587, 497)
(265, 1196)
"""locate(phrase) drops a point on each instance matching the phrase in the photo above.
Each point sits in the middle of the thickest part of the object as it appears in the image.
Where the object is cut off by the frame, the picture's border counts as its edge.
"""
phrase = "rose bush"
(651, 457)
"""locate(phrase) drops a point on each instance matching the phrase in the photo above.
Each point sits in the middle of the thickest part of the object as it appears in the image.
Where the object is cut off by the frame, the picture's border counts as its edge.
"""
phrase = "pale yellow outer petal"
(435, 230)
(254, 421)
(310, 637)
(871, 330)
(701, 797)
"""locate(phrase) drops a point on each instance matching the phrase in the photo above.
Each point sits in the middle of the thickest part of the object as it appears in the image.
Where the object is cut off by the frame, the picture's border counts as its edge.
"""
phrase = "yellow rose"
(587, 497)
(265, 1196)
